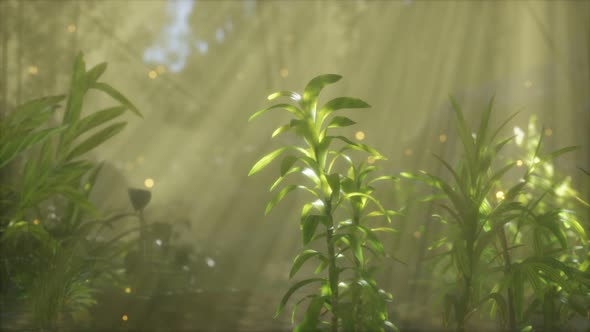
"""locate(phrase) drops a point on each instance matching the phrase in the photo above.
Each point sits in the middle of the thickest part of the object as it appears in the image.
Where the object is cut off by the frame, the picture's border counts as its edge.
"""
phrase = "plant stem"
(510, 291)
(332, 272)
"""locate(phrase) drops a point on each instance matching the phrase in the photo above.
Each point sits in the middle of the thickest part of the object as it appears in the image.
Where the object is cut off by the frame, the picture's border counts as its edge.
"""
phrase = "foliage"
(495, 264)
(342, 206)
(51, 258)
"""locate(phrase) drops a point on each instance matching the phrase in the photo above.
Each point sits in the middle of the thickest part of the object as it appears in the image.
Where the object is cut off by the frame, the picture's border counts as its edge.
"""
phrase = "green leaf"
(280, 130)
(281, 194)
(499, 302)
(334, 182)
(31, 110)
(340, 121)
(116, 95)
(357, 146)
(313, 88)
(502, 126)
(484, 124)
(312, 315)
(464, 135)
(340, 103)
(96, 139)
(382, 178)
(293, 95)
(94, 74)
(559, 152)
(290, 108)
(267, 159)
(301, 259)
(309, 225)
(78, 88)
(293, 289)
(96, 119)
(9, 151)
(287, 163)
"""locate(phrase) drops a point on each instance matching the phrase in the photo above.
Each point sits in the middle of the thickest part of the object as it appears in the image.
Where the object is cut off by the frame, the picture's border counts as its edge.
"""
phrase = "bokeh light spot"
(528, 84)
(284, 72)
(152, 74)
(36, 221)
(33, 70)
(548, 132)
(359, 135)
(442, 138)
(125, 318)
(500, 195)
(408, 152)
(72, 28)
(128, 290)
(148, 183)
(519, 163)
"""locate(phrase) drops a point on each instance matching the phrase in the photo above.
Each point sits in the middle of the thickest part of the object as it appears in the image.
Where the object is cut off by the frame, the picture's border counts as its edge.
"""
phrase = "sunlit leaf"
(301, 259)
(290, 108)
(313, 88)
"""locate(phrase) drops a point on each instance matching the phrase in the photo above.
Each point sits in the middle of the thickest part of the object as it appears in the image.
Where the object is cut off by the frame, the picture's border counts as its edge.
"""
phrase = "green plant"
(47, 255)
(485, 239)
(341, 206)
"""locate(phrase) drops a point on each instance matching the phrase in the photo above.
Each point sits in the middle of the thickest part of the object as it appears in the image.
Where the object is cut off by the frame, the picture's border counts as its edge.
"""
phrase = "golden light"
(519, 163)
(548, 132)
(72, 28)
(417, 234)
(442, 138)
(33, 70)
(128, 290)
(152, 74)
(408, 152)
(528, 84)
(359, 135)
(148, 183)
(160, 69)
(36, 221)
(125, 318)
(284, 72)
(500, 195)
(370, 160)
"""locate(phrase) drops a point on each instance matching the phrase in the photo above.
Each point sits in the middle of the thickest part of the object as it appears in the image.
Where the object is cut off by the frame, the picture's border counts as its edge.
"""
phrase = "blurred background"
(198, 69)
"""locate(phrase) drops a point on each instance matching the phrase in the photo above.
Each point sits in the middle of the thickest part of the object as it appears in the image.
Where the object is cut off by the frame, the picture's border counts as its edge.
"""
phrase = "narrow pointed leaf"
(292, 290)
(290, 108)
(293, 95)
(115, 94)
(267, 159)
(301, 259)
(313, 88)
(340, 121)
(287, 163)
(96, 139)
(94, 74)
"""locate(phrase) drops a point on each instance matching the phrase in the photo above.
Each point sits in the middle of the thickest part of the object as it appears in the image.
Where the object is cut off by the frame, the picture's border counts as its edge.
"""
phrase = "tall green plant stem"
(510, 291)
(142, 235)
(332, 271)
